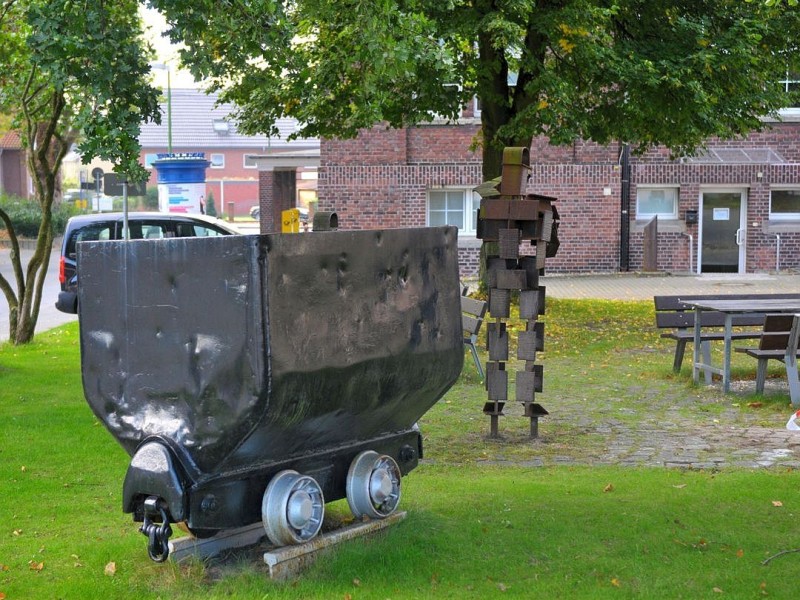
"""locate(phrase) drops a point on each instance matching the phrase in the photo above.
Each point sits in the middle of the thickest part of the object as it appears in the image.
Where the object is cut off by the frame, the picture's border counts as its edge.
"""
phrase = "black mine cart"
(255, 378)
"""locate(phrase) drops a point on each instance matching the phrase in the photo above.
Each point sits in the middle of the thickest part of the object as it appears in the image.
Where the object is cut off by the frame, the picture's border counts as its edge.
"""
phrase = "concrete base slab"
(287, 562)
(182, 548)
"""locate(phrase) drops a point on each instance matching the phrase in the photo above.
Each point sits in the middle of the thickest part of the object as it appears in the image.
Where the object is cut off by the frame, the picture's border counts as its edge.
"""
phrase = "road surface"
(49, 317)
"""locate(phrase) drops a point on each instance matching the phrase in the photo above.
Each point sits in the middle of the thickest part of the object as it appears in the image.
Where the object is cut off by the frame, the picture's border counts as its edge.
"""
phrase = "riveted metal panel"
(246, 349)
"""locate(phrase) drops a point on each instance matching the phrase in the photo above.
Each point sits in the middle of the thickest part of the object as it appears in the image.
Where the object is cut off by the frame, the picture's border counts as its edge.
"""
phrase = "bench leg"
(761, 375)
(705, 348)
(794, 380)
(477, 360)
(679, 350)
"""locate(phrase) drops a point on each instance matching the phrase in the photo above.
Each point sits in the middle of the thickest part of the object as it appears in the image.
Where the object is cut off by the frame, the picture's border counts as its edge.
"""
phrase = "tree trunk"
(45, 154)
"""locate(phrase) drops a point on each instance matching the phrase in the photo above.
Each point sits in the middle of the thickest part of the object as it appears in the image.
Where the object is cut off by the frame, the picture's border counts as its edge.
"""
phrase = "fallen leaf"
(356, 582)
(348, 597)
(739, 553)
(615, 582)
(502, 587)
(755, 404)
(4, 567)
(111, 569)
(701, 544)
(2, 596)
(609, 488)
(24, 468)
(777, 503)
(35, 566)
(718, 591)
(680, 486)
(18, 532)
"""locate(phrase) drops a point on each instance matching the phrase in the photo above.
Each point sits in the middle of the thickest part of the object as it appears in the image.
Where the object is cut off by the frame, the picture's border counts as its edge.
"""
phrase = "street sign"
(112, 185)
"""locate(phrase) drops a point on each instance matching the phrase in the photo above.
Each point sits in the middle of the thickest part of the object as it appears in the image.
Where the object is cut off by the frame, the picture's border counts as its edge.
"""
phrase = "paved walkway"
(632, 286)
(687, 429)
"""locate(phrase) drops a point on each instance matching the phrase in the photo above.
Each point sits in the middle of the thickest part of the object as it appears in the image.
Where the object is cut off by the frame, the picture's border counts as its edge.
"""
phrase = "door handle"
(739, 236)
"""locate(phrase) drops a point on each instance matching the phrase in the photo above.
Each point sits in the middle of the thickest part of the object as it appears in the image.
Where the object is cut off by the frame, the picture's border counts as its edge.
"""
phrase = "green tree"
(69, 70)
(211, 208)
(648, 73)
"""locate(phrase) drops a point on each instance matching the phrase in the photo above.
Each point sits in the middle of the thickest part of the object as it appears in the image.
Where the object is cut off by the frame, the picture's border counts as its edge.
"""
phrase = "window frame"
(244, 161)
(787, 82)
(791, 216)
(211, 160)
(640, 215)
(470, 202)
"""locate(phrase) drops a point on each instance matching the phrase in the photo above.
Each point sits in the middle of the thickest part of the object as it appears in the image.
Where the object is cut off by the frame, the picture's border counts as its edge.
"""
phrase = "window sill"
(664, 225)
(468, 240)
(782, 226)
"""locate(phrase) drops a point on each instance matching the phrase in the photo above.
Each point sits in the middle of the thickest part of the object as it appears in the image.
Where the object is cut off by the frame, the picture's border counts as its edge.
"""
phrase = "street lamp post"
(165, 67)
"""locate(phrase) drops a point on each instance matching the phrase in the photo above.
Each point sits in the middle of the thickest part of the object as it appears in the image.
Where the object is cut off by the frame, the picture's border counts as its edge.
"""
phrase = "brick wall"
(266, 201)
(381, 179)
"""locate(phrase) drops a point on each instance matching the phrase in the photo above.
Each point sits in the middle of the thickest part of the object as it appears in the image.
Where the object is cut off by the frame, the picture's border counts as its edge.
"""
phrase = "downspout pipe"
(625, 208)
(691, 251)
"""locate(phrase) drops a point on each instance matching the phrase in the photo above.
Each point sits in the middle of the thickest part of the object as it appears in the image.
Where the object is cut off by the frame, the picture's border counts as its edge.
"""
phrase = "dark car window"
(90, 233)
(155, 230)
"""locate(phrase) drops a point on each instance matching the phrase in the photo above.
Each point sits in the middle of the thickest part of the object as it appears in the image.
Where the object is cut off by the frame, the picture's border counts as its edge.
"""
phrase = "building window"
(784, 204)
(250, 161)
(790, 84)
(659, 202)
(458, 207)
(217, 161)
(221, 126)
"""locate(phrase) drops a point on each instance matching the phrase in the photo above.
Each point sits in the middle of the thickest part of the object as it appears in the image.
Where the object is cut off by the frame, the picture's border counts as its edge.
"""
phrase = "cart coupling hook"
(157, 533)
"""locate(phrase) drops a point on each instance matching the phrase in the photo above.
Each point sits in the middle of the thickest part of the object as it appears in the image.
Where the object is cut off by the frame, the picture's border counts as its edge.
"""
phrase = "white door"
(723, 231)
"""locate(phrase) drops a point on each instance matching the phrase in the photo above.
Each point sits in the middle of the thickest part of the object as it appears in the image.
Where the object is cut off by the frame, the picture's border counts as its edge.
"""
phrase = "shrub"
(211, 209)
(26, 215)
(151, 198)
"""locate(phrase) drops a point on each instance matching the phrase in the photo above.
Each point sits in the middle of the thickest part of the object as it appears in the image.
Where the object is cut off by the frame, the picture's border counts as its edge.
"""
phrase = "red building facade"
(733, 208)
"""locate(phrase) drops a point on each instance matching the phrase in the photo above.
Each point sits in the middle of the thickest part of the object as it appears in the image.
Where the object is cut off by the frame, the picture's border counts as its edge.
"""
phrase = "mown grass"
(485, 520)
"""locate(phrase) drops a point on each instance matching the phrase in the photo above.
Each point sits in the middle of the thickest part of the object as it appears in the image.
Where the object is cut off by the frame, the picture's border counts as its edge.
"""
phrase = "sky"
(155, 25)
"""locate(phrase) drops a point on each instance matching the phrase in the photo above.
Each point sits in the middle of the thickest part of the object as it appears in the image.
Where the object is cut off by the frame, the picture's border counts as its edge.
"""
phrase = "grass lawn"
(558, 517)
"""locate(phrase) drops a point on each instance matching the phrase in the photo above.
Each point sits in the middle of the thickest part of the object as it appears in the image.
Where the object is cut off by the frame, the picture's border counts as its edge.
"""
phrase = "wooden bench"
(472, 314)
(673, 313)
(780, 340)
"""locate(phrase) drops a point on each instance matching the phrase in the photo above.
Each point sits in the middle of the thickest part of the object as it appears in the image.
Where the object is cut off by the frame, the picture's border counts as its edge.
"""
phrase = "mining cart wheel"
(292, 508)
(373, 485)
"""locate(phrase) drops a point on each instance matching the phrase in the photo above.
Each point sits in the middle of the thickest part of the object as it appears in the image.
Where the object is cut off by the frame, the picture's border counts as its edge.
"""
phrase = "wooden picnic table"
(730, 308)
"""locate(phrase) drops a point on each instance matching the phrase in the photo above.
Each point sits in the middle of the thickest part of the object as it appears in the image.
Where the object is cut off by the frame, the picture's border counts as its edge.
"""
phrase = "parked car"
(108, 226)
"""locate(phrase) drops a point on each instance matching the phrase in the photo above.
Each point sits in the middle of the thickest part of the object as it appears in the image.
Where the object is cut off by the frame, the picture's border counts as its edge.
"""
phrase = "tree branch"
(5, 8)
(16, 260)
(781, 553)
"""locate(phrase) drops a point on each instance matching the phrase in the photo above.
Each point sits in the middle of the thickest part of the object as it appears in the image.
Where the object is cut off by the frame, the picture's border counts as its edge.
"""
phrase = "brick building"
(199, 124)
(734, 208)
(14, 178)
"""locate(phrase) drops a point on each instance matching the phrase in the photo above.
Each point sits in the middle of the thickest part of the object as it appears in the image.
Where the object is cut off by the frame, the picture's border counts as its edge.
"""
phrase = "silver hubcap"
(373, 485)
(292, 508)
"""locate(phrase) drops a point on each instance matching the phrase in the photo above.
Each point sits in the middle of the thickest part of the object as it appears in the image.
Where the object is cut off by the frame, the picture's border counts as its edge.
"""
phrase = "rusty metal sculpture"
(509, 216)
(255, 378)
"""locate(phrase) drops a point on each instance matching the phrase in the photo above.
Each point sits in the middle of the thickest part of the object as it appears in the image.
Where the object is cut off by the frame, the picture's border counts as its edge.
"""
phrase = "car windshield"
(90, 233)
